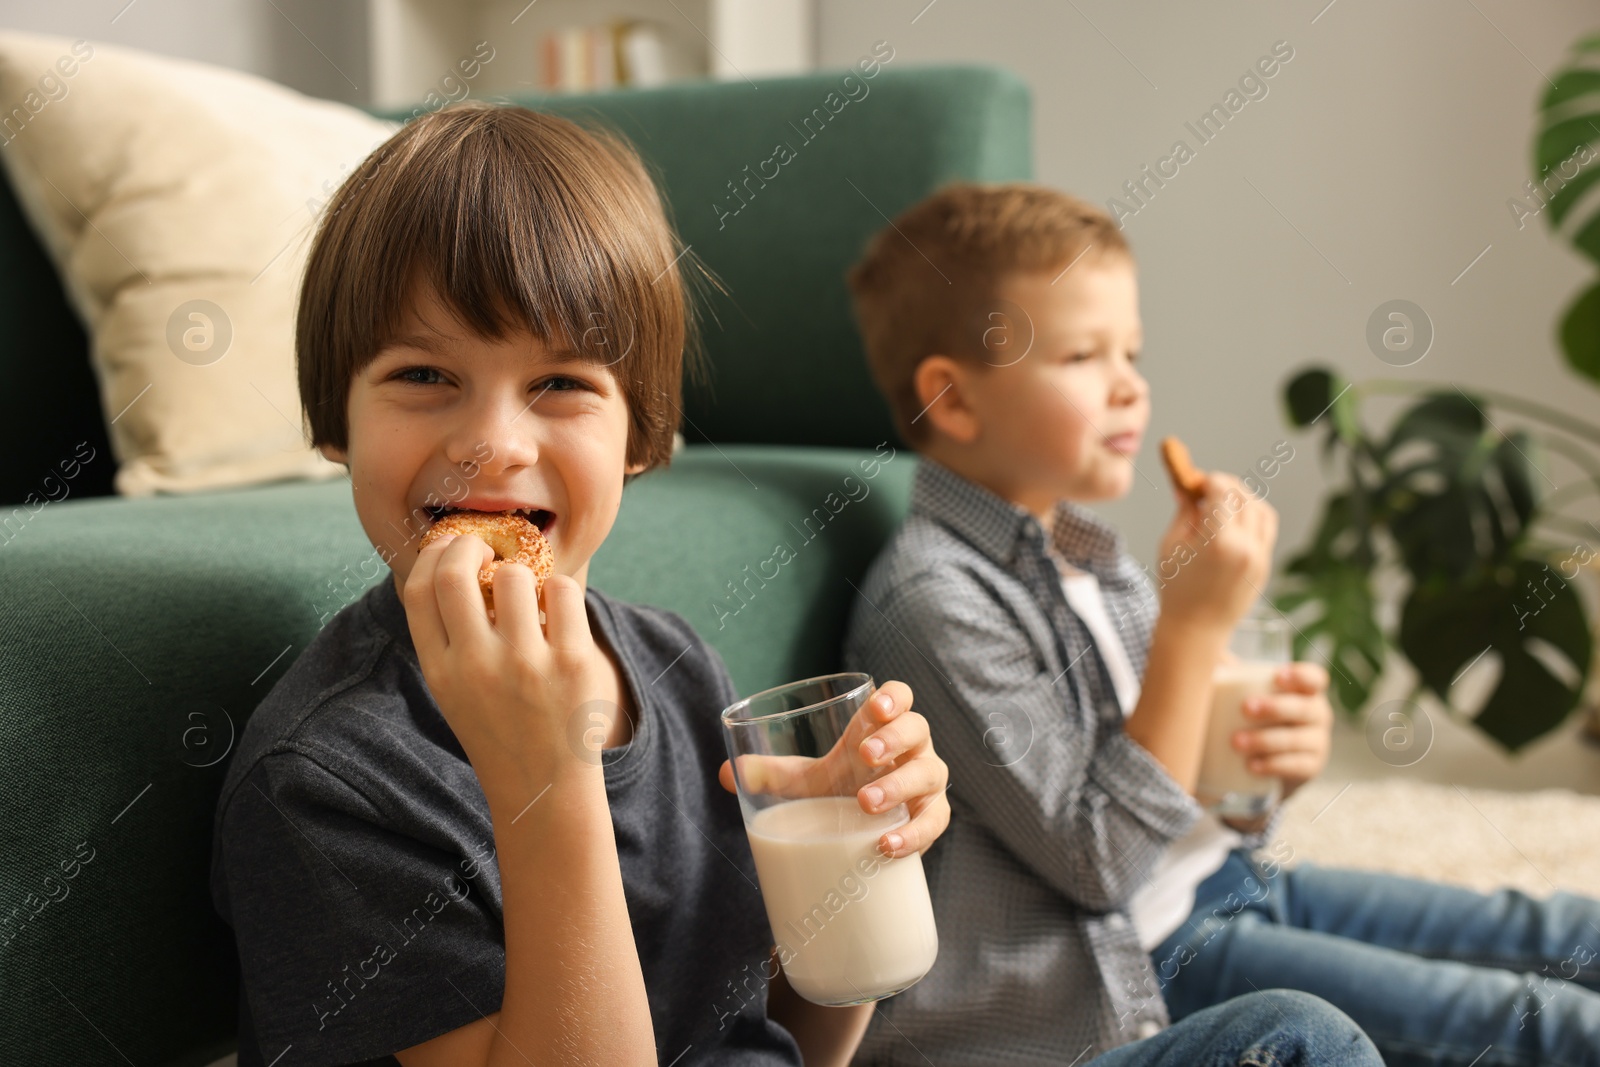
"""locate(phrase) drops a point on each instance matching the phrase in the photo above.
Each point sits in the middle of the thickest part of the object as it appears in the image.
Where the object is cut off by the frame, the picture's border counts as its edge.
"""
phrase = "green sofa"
(136, 636)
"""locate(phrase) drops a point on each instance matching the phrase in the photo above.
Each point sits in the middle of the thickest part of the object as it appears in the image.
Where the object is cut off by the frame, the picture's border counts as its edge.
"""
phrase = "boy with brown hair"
(454, 839)
(1075, 887)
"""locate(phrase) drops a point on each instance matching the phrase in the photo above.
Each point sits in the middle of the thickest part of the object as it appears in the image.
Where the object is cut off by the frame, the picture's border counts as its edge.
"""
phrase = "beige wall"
(315, 46)
(1390, 142)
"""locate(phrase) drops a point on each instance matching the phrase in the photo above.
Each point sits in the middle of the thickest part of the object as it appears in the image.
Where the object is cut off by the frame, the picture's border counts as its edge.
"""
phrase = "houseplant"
(1564, 158)
(1458, 510)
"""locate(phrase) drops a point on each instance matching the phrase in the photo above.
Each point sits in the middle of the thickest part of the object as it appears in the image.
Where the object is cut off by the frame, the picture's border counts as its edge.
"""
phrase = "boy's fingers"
(930, 816)
(516, 605)
(725, 776)
(455, 584)
(1272, 740)
(783, 776)
(908, 733)
(566, 618)
(888, 700)
(422, 607)
(1284, 709)
(882, 705)
(913, 779)
(1296, 766)
(881, 732)
(1302, 677)
(1218, 486)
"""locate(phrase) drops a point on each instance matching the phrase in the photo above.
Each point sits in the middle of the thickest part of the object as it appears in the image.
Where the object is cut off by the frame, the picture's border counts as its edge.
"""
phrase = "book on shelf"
(625, 52)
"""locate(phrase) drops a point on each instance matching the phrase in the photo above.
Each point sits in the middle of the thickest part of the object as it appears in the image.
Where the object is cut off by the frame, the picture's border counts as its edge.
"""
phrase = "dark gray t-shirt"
(354, 854)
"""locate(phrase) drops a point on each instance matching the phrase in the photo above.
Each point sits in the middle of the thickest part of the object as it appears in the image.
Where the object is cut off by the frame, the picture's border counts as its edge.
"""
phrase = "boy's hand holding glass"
(1289, 731)
(506, 687)
(840, 790)
(1268, 729)
(885, 753)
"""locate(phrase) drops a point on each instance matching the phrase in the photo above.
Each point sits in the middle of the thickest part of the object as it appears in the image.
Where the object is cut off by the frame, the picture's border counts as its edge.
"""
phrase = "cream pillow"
(177, 201)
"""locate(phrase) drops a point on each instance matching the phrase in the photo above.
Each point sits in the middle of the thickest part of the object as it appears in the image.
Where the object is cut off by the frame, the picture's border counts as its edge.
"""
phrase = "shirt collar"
(1000, 528)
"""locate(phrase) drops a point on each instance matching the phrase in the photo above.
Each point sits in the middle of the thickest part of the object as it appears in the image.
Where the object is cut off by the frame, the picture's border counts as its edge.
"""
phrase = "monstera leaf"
(1343, 631)
(1332, 577)
(1456, 493)
(1452, 421)
(1530, 618)
(1566, 164)
(1580, 332)
(1317, 392)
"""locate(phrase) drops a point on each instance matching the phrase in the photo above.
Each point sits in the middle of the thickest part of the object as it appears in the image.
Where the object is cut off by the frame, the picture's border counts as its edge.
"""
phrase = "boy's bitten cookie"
(513, 538)
(1189, 479)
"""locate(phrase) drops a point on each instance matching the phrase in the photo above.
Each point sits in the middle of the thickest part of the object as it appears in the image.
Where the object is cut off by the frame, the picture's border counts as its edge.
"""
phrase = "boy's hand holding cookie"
(507, 687)
(1216, 556)
(1291, 729)
(886, 754)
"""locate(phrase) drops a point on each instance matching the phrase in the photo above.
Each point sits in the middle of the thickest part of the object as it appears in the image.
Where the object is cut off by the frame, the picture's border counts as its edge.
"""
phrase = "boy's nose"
(496, 436)
(1129, 386)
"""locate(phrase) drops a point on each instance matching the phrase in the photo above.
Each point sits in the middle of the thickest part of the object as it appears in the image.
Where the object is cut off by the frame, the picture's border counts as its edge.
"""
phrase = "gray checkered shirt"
(1058, 816)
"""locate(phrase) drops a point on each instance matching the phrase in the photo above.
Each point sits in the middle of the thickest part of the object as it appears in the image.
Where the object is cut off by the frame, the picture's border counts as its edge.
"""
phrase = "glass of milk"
(850, 925)
(1261, 644)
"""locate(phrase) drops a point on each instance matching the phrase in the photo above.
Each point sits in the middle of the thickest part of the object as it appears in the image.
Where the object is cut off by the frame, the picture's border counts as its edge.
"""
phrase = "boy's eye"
(421, 372)
(431, 376)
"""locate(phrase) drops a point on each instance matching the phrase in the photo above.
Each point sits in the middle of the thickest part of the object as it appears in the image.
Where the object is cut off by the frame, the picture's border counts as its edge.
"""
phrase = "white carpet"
(1480, 838)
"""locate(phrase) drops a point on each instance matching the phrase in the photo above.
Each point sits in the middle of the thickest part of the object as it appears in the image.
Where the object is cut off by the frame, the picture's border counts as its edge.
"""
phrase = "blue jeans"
(1277, 1028)
(1436, 975)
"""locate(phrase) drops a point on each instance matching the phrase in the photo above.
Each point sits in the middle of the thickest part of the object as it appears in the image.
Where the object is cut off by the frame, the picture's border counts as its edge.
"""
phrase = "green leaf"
(1310, 393)
(1580, 334)
(1452, 421)
(1435, 533)
(1513, 465)
(1565, 164)
(1570, 84)
(1344, 631)
(1571, 192)
(1436, 507)
(1560, 142)
(1330, 542)
(1446, 625)
(1586, 239)
(1444, 510)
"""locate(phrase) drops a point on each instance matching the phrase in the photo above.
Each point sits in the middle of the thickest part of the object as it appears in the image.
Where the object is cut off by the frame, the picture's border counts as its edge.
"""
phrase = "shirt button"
(1148, 1028)
(1117, 921)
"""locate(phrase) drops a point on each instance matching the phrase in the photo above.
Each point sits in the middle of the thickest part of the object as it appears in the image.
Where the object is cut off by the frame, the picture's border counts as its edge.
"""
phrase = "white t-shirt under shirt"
(1162, 905)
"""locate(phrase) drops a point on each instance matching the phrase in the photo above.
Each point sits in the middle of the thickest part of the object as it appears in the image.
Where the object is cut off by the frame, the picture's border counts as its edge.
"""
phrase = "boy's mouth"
(538, 516)
(1124, 443)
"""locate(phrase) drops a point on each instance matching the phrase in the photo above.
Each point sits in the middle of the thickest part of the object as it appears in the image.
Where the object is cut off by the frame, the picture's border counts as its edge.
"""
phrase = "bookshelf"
(445, 46)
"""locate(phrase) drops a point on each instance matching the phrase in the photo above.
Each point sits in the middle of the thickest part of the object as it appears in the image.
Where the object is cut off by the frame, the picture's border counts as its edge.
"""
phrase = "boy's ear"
(943, 389)
(334, 455)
